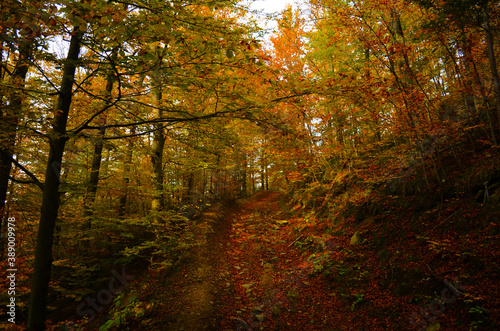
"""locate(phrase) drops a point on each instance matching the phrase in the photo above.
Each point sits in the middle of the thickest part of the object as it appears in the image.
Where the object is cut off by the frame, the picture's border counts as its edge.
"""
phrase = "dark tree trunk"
(50, 201)
(244, 189)
(190, 188)
(90, 194)
(8, 125)
(267, 177)
(491, 55)
(122, 210)
(263, 171)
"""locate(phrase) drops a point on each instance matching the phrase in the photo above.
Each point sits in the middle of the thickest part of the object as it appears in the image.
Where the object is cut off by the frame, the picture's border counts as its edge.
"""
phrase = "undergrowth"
(425, 233)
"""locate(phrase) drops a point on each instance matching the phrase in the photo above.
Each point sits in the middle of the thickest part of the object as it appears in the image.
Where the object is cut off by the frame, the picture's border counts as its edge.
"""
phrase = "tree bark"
(491, 55)
(8, 125)
(90, 194)
(50, 200)
(469, 103)
(263, 171)
(244, 189)
(157, 203)
(122, 209)
(190, 189)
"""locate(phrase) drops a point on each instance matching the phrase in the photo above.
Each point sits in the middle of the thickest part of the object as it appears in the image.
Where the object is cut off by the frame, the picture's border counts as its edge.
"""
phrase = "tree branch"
(29, 173)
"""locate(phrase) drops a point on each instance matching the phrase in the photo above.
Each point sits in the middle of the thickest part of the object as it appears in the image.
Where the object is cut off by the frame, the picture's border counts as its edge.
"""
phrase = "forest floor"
(261, 266)
(254, 269)
(248, 274)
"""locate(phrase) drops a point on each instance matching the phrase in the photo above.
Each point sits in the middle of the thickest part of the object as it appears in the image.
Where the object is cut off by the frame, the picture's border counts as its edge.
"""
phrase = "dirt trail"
(262, 266)
(197, 293)
(248, 274)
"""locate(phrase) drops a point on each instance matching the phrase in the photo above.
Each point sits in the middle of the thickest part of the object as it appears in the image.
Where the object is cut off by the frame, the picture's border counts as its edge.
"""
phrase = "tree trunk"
(244, 189)
(267, 176)
(469, 102)
(491, 55)
(8, 126)
(50, 201)
(263, 171)
(122, 209)
(189, 198)
(90, 194)
(157, 203)
(252, 173)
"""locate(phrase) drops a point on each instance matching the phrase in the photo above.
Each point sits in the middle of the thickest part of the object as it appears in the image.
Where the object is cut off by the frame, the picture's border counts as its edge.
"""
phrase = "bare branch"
(29, 173)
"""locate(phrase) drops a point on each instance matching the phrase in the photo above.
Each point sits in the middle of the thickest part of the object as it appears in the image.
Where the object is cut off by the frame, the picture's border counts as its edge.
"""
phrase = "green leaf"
(149, 57)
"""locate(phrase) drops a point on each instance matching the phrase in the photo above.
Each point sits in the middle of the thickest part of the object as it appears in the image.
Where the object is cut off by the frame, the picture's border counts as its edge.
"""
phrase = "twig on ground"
(295, 241)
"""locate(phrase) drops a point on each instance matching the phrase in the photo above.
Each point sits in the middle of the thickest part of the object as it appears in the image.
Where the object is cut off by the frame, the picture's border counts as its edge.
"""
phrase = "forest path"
(251, 273)
(191, 293)
(257, 268)
(197, 294)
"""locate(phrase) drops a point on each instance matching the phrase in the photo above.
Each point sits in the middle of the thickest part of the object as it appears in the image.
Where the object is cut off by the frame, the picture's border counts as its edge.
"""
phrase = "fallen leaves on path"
(261, 266)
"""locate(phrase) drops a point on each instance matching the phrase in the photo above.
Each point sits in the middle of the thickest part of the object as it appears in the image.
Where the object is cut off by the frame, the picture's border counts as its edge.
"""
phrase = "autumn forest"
(174, 165)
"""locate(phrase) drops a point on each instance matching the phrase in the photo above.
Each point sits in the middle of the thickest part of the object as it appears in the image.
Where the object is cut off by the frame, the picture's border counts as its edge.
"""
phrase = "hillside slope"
(260, 265)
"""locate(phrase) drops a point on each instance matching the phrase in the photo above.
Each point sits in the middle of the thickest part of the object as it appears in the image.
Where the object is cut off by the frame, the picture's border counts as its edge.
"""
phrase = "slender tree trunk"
(491, 55)
(90, 194)
(190, 188)
(469, 103)
(57, 231)
(122, 209)
(252, 173)
(50, 201)
(157, 203)
(202, 192)
(267, 176)
(263, 171)
(217, 178)
(9, 118)
(244, 189)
